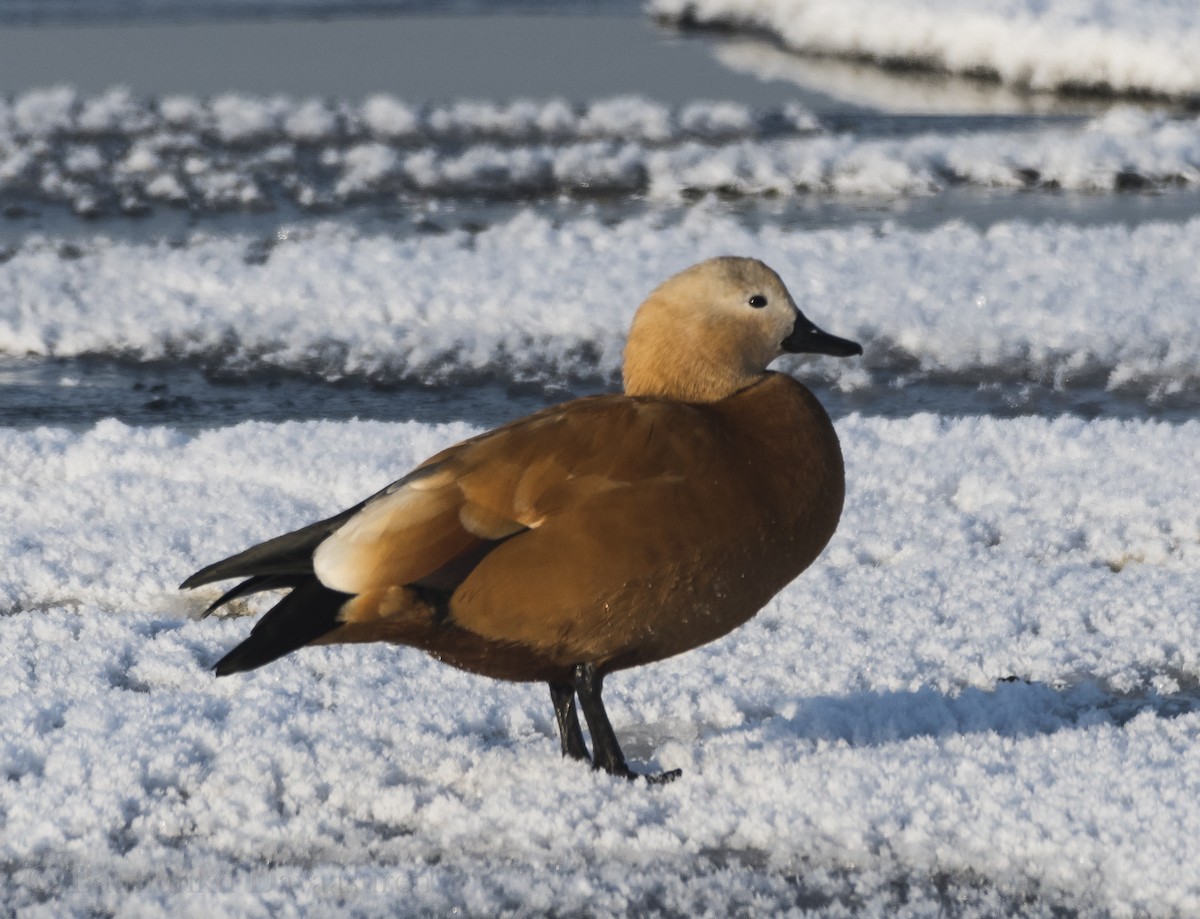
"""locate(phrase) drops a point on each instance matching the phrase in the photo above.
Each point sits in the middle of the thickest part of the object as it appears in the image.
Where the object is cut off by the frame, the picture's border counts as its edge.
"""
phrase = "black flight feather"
(304, 615)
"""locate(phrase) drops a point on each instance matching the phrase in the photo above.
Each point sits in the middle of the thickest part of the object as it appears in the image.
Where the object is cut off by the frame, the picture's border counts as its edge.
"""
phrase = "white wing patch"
(391, 539)
(404, 536)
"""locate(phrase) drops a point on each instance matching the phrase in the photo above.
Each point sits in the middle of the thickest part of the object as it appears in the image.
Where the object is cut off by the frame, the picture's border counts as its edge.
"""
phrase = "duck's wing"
(388, 568)
(431, 528)
(420, 531)
(421, 528)
(452, 507)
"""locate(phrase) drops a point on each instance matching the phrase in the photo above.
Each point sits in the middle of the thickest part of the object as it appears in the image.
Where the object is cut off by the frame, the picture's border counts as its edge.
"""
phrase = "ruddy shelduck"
(605, 533)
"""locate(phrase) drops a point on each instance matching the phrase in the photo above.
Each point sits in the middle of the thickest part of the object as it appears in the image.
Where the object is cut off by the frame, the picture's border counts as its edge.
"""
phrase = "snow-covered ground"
(119, 153)
(1123, 46)
(532, 299)
(982, 699)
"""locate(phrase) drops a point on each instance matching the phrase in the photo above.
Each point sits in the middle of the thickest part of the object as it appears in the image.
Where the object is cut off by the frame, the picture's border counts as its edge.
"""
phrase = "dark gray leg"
(569, 731)
(606, 752)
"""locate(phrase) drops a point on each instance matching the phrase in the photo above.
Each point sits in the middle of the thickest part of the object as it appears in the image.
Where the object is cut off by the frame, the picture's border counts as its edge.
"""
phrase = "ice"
(312, 153)
(855, 82)
(855, 748)
(239, 119)
(42, 113)
(41, 12)
(365, 167)
(1123, 47)
(534, 299)
(311, 121)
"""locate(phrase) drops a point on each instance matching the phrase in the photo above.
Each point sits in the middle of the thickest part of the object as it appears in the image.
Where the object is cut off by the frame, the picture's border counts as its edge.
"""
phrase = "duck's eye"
(758, 301)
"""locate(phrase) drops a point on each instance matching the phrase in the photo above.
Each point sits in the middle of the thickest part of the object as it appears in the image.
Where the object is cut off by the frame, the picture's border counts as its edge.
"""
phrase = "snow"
(980, 700)
(275, 152)
(1127, 46)
(544, 300)
(857, 83)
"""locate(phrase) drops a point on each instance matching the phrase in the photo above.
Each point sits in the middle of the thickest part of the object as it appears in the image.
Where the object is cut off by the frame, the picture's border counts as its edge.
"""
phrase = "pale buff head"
(712, 329)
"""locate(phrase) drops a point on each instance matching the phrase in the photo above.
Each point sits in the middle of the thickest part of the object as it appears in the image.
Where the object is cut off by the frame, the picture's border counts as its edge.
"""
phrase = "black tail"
(304, 615)
(255, 585)
(289, 554)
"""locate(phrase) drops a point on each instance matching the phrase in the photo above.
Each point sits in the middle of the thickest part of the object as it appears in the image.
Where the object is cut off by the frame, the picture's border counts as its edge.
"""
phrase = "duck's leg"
(606, 752)
(569, 731)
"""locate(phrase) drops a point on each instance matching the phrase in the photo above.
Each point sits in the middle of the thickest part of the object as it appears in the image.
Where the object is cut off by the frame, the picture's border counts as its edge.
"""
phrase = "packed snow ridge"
(117, 153)
(535, 300)
(1095, 45)
(980, 701)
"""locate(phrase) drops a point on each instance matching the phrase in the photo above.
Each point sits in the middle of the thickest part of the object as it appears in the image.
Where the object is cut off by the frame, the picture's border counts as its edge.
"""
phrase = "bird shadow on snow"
(1013, 708)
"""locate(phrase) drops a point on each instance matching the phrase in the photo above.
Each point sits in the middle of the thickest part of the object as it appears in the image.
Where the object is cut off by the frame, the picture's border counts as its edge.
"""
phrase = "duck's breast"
(705, 514)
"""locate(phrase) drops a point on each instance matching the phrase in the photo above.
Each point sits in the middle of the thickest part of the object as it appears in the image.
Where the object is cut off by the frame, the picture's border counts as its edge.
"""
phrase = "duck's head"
(712, 329)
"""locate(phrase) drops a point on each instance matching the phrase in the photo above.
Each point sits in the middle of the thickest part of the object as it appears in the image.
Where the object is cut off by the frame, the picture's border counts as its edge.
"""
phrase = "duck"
(606, 533)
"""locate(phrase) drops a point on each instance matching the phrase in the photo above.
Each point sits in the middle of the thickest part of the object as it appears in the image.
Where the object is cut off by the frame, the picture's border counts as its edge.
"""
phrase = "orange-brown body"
(666, 525)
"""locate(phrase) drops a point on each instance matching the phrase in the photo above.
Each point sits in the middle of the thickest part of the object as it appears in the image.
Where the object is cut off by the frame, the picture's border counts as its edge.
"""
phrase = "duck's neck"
(684, 363)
